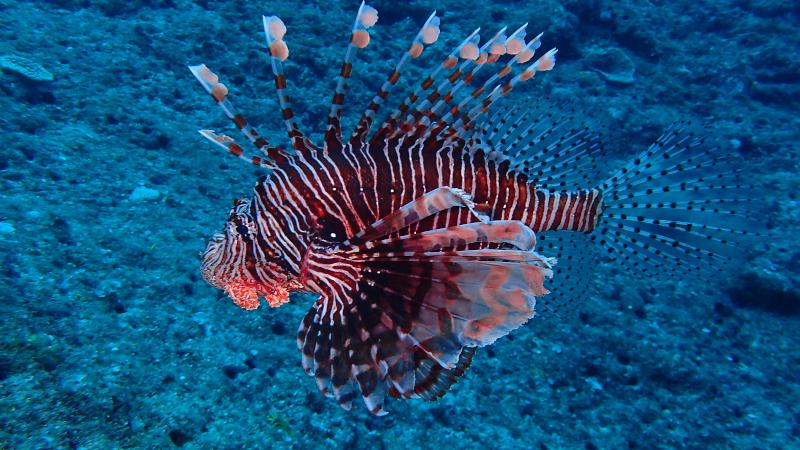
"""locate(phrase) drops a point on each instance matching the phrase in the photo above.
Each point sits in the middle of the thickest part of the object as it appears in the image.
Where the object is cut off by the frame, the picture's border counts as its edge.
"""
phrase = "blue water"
(110, 338)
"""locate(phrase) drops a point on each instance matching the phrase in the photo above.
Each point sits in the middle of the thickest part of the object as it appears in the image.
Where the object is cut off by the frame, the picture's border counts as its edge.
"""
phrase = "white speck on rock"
(144, 194)
(594, 383)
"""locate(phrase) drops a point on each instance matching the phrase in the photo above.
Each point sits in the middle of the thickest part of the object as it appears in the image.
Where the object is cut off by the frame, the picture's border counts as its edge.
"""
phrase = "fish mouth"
(246, 293)
(240, 285)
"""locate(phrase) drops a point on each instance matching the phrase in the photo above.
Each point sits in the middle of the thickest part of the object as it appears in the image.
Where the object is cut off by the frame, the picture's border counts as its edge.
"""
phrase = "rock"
(26, 68)
(760, 290)
(144, 194)
(612, 64)
(770, 8)
(781, 94)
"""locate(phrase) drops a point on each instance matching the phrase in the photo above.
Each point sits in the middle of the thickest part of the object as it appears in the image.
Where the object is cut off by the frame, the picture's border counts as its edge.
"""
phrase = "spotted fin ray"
(680, 209)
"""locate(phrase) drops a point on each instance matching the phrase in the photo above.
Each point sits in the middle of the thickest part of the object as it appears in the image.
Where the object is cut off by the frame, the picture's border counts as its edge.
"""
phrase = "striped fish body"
(420, 240)
(326, 197)
(332, 195)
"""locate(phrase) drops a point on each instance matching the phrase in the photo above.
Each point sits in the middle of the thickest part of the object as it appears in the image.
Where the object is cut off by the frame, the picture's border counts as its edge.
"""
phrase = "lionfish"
(419, 239)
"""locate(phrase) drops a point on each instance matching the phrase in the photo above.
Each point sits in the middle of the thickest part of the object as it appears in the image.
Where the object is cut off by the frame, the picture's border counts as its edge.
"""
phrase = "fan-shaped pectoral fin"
(402, 315)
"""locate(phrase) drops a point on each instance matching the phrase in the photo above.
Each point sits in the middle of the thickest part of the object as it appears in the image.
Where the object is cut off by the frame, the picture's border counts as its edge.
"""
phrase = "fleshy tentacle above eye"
(401, 313)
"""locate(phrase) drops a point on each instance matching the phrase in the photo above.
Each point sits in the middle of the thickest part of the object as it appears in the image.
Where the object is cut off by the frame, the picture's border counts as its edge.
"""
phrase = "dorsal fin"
(274, 31)
(514, 45)
(545, 141)
(219, 92)
(427, 35)
(422, 113)
(466, 51)
(366, 17)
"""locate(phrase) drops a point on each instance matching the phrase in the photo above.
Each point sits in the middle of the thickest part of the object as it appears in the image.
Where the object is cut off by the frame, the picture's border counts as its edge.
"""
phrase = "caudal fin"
(679, 209)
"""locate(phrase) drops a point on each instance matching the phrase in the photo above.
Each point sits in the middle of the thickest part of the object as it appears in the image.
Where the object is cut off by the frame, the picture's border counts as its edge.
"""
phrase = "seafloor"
(110, 338)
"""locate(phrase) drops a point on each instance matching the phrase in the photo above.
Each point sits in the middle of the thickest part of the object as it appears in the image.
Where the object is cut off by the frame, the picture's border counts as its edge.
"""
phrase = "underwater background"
(111, 339)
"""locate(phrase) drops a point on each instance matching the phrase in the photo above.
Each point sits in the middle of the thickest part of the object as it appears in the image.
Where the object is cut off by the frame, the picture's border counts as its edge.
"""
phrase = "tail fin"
(678, 209)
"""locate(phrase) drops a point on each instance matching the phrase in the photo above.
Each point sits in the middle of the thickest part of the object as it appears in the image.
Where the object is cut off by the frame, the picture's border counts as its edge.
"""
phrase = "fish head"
(244, 268)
